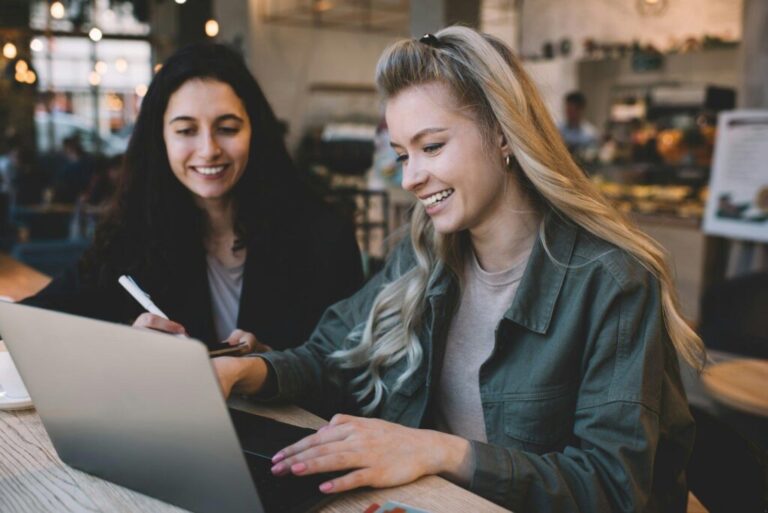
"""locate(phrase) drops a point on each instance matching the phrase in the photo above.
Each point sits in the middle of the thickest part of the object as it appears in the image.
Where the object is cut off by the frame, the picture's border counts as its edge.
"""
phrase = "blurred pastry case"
(654, 158)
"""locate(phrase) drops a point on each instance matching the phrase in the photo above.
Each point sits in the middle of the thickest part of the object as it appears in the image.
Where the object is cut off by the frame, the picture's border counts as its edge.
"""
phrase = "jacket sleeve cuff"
(277, 386)
(492, 476)
(269, 389)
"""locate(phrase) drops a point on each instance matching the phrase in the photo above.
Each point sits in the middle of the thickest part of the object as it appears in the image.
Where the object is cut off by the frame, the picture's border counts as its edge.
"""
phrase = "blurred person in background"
(9, 166)
(73, 176)
(103, 185)
(579, 135)
(212, 220)
(31, 179)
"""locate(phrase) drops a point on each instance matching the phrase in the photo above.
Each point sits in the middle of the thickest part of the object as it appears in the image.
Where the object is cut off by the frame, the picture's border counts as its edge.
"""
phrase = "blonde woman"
(523, 342)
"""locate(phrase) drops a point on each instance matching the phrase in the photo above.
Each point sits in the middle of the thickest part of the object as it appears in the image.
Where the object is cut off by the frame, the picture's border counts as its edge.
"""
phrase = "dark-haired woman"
(212, 220)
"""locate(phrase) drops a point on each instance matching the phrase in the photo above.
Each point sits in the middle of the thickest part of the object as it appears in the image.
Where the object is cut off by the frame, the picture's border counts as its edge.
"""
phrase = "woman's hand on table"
(378, 453)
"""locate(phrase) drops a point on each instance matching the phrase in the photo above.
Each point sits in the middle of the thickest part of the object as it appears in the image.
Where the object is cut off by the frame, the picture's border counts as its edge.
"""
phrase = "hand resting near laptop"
(378, 453)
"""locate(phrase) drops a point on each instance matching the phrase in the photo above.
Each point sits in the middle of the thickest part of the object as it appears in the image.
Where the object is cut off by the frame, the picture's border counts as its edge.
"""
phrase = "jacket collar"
(544, 275)
(535, 300)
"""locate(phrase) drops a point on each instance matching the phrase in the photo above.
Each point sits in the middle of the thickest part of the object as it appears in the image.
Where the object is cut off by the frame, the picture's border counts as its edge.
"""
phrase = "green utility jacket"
(583, 403)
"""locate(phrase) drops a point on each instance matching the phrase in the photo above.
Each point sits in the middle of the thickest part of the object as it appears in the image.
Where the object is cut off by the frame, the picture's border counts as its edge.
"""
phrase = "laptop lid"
(139, 408)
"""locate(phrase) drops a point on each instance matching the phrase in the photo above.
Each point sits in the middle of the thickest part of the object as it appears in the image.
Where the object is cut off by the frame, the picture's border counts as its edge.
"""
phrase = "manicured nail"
(326, 487)
(279, 468)
(277, 458)
(298, 468)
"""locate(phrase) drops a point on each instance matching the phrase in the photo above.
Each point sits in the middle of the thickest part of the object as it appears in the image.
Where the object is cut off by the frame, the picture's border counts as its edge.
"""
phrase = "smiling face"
(207, 136)
(457, 176)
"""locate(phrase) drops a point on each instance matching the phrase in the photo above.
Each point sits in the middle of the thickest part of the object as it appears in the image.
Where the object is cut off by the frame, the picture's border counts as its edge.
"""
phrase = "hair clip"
(429, 40)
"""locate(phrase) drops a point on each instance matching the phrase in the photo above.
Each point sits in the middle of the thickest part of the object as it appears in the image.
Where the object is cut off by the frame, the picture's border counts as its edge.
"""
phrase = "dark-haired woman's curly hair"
(153, 221)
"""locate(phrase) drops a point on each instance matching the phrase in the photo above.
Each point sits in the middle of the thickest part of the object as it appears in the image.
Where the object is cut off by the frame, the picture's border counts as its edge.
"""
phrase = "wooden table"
(741, 384)
(18, 280)
(34, 480)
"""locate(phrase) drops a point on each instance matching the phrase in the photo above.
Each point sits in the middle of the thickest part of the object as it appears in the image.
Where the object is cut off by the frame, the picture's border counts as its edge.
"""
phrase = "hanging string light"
(211, 28)
(9, 51)
(95, 34)
(57, 10)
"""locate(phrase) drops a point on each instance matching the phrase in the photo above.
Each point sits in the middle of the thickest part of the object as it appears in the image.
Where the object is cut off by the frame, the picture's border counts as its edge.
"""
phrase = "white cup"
(10, 381)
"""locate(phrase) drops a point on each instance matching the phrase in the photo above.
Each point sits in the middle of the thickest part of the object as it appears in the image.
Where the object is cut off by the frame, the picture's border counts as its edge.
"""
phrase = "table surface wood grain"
(18, 280)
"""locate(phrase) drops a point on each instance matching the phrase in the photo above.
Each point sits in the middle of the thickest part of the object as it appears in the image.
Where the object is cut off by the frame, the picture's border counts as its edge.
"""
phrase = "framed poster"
(737, 206)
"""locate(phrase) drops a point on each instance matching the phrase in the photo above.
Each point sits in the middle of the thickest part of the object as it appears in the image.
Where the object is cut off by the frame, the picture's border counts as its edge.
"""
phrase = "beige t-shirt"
(469, 342)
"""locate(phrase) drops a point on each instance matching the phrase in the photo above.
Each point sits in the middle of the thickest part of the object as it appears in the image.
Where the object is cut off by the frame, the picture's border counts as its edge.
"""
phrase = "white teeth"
(436, 198)
(209, 170)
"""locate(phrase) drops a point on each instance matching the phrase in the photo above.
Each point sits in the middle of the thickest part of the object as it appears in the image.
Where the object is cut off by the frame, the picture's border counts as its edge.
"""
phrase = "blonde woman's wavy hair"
(486, 77)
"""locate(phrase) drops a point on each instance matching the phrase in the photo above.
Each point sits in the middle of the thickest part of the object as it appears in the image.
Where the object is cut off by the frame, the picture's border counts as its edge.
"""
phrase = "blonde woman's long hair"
(485, 76)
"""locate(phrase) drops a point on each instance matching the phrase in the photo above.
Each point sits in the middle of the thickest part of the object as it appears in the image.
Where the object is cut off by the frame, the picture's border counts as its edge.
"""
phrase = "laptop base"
(260, 438)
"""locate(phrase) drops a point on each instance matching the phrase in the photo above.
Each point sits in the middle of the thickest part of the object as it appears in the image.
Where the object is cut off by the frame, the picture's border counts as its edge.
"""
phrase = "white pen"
(140, 296)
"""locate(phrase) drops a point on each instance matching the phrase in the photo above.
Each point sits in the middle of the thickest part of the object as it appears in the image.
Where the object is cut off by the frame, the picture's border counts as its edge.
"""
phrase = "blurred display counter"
(670, 192)
(667, 203)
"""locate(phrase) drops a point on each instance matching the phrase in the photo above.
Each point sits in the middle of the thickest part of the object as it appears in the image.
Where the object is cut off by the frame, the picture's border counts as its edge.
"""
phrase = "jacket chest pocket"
(539, 422)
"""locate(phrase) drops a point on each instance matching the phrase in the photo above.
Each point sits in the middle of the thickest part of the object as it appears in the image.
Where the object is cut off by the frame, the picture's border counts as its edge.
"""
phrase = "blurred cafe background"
(637, 87)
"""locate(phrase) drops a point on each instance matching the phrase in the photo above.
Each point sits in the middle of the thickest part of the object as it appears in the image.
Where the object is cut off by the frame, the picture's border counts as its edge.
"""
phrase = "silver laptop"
(144, 410)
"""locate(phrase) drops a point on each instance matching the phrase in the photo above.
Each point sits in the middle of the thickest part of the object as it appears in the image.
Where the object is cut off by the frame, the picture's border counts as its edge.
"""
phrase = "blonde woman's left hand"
(250, 343)
(378, 453)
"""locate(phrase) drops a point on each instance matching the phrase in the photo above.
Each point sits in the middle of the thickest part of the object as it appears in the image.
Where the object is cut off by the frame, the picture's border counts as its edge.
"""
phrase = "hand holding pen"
(239, 342)
(153, 318)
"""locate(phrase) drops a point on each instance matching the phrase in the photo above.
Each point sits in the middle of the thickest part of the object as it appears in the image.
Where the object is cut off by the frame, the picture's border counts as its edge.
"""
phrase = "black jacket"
(293, 272)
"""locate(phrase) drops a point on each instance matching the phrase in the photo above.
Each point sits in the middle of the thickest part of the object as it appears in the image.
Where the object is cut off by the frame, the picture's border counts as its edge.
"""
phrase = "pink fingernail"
(277, 458)
(278, 469)
(298, 468)
(326, 487)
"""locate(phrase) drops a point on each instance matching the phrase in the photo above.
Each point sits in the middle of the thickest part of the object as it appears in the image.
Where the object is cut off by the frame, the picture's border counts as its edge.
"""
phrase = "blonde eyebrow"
(419, 135)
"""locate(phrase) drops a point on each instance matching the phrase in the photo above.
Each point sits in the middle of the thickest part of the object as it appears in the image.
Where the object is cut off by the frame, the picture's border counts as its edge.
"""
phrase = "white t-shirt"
(226, 285)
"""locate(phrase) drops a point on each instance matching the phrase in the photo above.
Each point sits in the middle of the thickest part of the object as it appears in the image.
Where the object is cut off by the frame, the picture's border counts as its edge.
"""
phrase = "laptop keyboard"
(263, 436)
(260, 439)
(285, 493)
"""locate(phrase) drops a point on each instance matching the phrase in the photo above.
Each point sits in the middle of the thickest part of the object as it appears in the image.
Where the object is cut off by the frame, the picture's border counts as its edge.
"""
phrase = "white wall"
(555, 78)
(619, 21)
(287, 60)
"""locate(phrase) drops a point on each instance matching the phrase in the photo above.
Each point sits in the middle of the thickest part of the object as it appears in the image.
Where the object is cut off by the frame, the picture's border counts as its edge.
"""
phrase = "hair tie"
(429, 40)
